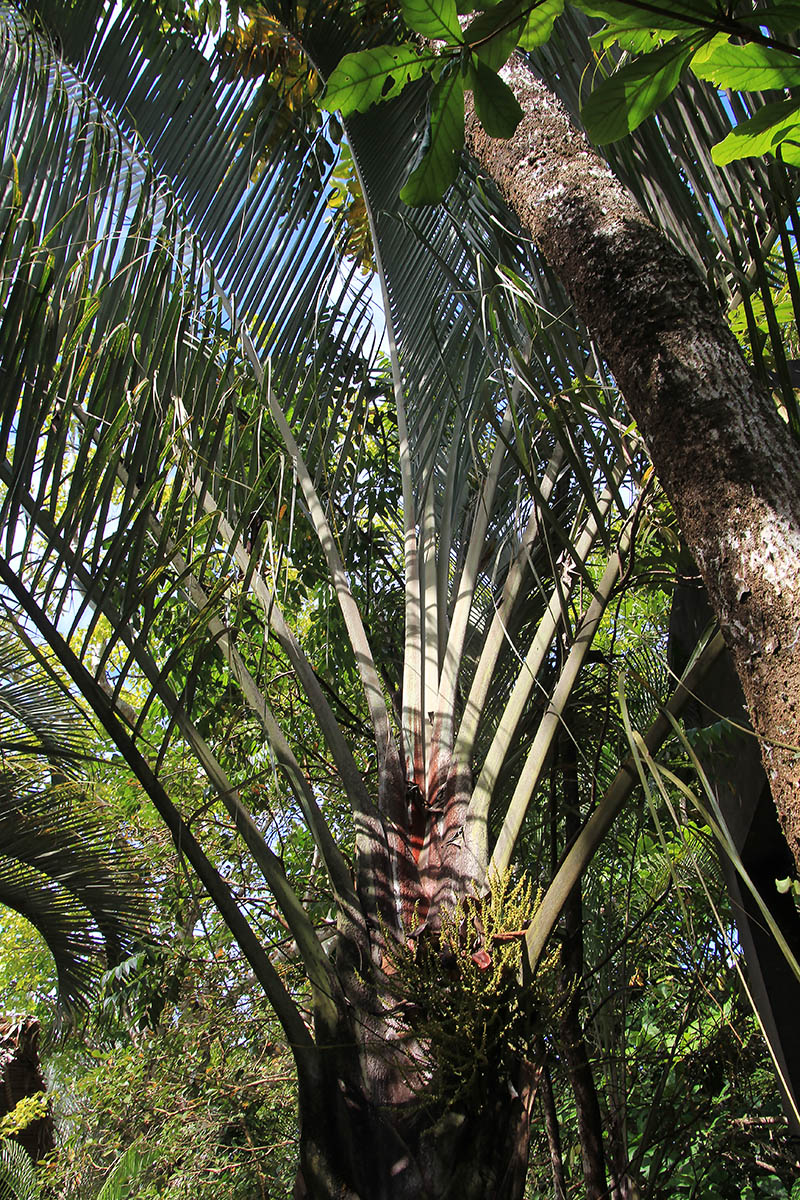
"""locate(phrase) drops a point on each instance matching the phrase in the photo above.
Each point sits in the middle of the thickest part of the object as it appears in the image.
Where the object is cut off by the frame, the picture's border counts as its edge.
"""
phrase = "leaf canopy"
(374, 75)
(620, 103)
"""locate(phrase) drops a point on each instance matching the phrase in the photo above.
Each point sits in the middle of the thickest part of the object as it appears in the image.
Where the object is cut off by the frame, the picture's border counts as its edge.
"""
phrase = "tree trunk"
(21, 1076)
(352, 1148)
(576, 1056)
(425, 1096)
(553, 1133)
(724, 457)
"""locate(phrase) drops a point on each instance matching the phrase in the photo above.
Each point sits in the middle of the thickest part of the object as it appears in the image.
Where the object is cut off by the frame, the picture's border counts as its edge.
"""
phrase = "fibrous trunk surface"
(424, 1097)
(722, 453)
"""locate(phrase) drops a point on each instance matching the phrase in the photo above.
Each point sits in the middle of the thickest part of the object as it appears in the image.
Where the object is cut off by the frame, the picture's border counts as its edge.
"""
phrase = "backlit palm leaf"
(62, 866)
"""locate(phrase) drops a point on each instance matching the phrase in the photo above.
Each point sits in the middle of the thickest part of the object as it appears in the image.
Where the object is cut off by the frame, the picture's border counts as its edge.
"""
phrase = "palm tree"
(196, 405)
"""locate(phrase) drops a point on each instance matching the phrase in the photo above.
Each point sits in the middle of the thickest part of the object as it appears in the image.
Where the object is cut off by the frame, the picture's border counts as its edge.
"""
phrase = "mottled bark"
(721, 451)
(21, 1076)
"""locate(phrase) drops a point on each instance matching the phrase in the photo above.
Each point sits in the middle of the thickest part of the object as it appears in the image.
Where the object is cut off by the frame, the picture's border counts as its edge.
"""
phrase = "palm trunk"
(724, 457)
(388, 1113)
(353, 1147)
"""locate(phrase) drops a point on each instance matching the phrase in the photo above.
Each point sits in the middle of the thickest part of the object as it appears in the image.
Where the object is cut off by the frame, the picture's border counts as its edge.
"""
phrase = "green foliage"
(200, 1105)
(347, 199)
(24, 1113)
(496, 105)
(774, 129)
(432, 18)
(470, 58)
(621, 103)
(127, 1177)
(28, 980)
(537, 24)
(677, 1058)
(18, 1179)
(747, 68)
(371, 76)
(464, 996)
(765, 323)
(641, 27)
(698, 37)
(664, 46)
(60, 865)
(439, 157)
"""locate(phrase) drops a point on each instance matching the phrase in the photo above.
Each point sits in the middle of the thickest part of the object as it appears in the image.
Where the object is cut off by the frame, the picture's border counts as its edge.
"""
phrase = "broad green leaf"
(763, 134)
(432, 18)
(632, 38)
(747, 68)
(639, 31)
(369, 76)
(778, 18)
(789, 148)
(440, 155)
(539, 25)
(496, 105)
(497, 50)
(632, 27)
(706, 51)
(494, 33)
(627, 97)
(680, 14)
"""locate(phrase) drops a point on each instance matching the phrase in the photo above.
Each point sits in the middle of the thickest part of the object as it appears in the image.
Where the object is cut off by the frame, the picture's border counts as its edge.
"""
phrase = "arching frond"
(18, 1179)
(62, 864)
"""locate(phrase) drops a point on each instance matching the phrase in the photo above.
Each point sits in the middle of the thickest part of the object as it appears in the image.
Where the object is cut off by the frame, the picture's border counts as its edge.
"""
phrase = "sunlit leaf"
(441, 149)
(369, 76)
(620, 103)
(539, 24)
(432, 18)
(750, 68)
(776, 124)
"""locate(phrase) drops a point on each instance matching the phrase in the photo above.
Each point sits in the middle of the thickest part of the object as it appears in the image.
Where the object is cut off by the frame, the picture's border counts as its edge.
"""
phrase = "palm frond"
(129, 1168)
(18, 1179)
(458, 366)
(62, 865)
